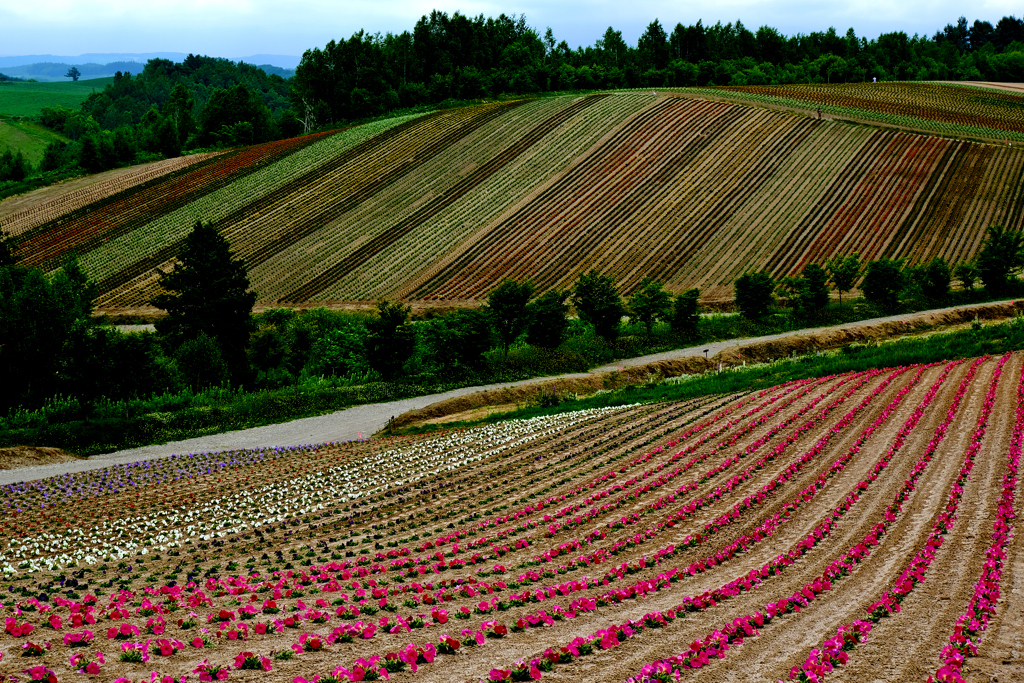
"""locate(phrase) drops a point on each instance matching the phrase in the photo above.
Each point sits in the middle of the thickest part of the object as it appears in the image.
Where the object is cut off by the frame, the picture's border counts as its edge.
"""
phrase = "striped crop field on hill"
(845, 528)
(947, 109)
(443, 206)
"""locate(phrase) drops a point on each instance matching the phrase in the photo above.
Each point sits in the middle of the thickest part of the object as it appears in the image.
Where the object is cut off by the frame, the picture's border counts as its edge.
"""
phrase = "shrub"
(968, 275)
(200, 363)
(506, 306)
(457, 340)
(933, 278)
(1001, 256)
(813, 296)
(650, 303)
(547, 322)
(597, 302)
(884, 281)
(754, 294)
(686, 314)
(843, 272)
(390, 339)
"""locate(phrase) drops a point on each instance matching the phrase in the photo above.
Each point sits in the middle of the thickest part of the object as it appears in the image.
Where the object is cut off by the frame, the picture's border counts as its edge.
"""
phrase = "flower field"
(689, 191)
(852, 527)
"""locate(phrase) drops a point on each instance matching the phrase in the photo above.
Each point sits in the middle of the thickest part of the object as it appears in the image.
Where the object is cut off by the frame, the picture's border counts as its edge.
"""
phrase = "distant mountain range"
(98, 65)
(281, 61)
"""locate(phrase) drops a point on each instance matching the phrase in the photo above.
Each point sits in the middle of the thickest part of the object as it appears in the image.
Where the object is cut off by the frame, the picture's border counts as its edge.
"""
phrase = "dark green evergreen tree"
(208, 293)
(40, 317)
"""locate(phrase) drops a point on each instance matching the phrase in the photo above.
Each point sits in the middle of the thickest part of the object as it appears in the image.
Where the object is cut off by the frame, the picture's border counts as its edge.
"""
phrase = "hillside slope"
(442, 206)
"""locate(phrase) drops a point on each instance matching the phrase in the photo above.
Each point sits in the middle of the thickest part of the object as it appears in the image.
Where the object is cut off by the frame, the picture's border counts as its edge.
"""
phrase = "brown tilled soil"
(32, 456)
(45, 194)
(515, 474)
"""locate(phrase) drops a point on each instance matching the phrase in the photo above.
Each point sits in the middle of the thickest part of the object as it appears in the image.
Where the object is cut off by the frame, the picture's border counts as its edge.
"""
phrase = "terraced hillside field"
(443, 206)
(853, 527)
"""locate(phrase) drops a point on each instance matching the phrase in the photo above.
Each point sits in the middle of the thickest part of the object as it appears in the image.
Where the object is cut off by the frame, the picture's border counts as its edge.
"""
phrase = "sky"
(233, 28)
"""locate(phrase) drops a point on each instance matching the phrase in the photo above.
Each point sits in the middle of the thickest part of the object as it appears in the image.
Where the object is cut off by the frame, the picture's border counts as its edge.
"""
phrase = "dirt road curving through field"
(360, 422)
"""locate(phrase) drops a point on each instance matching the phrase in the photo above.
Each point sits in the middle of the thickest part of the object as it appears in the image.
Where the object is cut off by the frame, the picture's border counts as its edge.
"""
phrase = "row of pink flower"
(120, 611)
(821, 662)
(768, 526)
(628, 593)
(633, 518)
(698, 503)
(402, 625)
(716, 644)
(481, 603)
(710, 599)
(773, 486)
(805, 385)
(963, 642)
(713, 597)
(775, 395)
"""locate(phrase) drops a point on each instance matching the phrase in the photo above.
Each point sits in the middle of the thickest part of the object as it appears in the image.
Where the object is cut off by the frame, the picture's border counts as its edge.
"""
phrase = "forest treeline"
(462, 57)
(204, 102)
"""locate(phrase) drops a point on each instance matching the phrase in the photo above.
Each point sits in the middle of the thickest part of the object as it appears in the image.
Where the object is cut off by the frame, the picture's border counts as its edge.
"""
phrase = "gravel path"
(362, 421)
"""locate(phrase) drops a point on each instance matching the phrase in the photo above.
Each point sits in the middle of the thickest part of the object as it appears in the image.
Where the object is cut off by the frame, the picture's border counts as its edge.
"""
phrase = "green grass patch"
(28, 99)
(28, 137)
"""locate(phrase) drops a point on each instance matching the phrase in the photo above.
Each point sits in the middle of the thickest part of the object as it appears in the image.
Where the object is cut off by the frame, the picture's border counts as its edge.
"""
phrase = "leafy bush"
(456, 342)
(597, 302)
(1000, 258)
(650, 303)
(754, 294)
(686, 314)
(813, 296)
(884, 282)
(547, 322)
(200, 363)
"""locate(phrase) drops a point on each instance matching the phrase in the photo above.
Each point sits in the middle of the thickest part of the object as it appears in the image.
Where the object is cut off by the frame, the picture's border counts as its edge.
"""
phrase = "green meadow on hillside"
(28, 99)
(27, 137)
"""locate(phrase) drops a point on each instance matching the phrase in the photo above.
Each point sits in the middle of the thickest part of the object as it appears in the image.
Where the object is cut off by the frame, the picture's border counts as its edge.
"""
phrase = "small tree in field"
(73, 73)
(547, 319)
(933, 278)
(390, 339)
(506, 306)
(686, 314)
(650, 303)
(754, 294)
(1001, 256)
(598, 303)
(968, 275)
(884, 281)
(813, 296)
(843, 272)
(208, 293)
